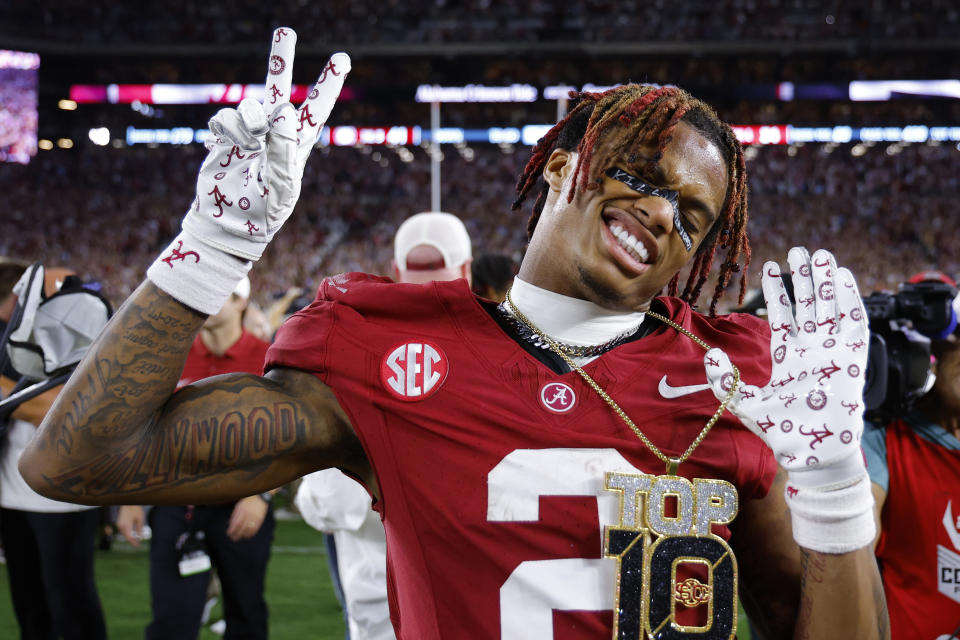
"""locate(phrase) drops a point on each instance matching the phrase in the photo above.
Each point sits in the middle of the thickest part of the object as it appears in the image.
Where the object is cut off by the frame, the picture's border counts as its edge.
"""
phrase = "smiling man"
(532, 480)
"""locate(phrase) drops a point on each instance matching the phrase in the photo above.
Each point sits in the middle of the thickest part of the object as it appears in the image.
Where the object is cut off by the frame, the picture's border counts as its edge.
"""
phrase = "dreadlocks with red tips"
(634, 117)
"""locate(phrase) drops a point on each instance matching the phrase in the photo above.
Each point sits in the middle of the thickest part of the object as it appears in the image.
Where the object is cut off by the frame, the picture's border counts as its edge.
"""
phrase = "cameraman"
(49, 545)
(914, 464)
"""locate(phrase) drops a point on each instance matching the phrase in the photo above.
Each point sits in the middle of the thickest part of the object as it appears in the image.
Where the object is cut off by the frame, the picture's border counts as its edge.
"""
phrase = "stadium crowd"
(885, 210)
(472, 21)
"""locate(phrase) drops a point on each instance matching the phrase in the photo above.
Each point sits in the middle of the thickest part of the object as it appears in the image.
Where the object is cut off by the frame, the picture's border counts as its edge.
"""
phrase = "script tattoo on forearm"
(138, 360)
(129, 374)
(192, 448)
(812, 569)
(883, 616)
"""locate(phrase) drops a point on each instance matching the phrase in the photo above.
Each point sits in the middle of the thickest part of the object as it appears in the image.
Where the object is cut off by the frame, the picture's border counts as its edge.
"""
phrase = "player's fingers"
(279, 68)
(720, 375)
(228, 126)
(824, 272)
(799, 260)
(253, 116)
(282, 154)
(779, 311)
(319, 103)
(853, 316)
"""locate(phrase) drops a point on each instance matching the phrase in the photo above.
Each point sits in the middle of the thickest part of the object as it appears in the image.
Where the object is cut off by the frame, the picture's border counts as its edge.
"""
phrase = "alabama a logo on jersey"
(414, 370)
(948, 562)
(557, 397)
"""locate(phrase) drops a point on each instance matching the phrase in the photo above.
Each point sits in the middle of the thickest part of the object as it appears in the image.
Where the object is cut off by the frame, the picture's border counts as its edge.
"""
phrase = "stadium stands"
(885, 210)
(456, 22)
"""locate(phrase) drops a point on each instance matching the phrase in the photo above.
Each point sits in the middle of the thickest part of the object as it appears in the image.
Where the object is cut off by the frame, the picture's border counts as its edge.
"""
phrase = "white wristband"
(834, 518)
(197, 274)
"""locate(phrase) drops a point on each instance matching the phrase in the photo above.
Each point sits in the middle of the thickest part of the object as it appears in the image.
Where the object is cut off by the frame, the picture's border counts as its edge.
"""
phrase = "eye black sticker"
(641, 186)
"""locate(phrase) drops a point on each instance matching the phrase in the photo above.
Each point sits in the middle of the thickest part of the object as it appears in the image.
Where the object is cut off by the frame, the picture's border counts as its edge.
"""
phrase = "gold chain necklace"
(672, 463)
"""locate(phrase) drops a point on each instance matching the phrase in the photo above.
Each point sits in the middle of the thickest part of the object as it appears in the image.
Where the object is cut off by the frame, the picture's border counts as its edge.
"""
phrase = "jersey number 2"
(537, 587)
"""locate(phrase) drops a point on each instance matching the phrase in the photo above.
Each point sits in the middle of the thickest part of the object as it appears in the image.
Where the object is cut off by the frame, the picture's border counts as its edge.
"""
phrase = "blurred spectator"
(492, 275)
(277, 312)
(432, 245)
(914, 464)
(187, 541)
(49, 545)
(334, 503)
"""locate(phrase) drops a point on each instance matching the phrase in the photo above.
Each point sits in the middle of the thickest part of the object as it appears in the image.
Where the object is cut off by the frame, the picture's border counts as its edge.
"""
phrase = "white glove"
(811, 412)
(248, 183)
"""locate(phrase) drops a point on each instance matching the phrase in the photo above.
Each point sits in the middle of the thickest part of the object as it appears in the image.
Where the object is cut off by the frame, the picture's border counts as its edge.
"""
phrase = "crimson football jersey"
(491, 466)
(919, 545)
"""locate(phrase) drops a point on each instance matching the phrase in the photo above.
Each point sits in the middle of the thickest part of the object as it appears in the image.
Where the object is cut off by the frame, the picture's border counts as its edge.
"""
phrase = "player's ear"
(559, 165)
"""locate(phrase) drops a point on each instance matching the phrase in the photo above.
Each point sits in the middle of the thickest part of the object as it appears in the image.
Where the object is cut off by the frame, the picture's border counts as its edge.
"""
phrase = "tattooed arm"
(118, 434)
(769, 562)
(841, 596)
(792, 592)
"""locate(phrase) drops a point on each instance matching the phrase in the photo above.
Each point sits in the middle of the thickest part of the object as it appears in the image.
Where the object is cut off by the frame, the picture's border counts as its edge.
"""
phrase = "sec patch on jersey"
(413, 371)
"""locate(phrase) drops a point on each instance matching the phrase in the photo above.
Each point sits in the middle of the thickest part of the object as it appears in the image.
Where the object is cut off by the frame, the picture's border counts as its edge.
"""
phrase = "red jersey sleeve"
(303, 340)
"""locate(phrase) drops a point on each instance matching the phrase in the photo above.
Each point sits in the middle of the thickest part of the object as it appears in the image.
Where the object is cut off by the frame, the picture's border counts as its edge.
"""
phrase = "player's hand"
(250, 179)
(248, 183)
(130, 521)
(247, 517)
(811, 411)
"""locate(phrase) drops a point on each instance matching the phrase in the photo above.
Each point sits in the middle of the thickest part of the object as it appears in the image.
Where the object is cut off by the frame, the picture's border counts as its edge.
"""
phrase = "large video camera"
(901, 324)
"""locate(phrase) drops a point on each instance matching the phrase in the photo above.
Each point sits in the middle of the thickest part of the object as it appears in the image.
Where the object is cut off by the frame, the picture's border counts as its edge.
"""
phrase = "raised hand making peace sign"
(249, 182)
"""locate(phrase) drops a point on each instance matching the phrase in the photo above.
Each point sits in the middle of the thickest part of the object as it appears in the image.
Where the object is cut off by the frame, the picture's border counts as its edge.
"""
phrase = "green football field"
(299, 592)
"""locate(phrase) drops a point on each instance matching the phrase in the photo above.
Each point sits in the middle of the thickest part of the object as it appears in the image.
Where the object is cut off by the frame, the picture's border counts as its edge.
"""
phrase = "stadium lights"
(45, 144)
(533, 132)
(183, 93)
(99, 136)
(65, 143)
(160, 93)
(476, 93)
(557, 91)
(398, 136)
(67, 105)
(176, 135)
(882, 90)
(22, 60)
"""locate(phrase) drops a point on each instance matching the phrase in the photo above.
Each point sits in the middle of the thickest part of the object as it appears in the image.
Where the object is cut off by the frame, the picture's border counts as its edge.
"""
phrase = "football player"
(571, 463)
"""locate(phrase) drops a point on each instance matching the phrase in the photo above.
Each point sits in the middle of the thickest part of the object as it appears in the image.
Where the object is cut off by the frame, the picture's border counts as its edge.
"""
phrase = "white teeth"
(629, 242)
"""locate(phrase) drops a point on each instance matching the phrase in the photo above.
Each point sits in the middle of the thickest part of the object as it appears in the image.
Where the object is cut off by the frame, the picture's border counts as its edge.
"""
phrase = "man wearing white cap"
(429, 246)
(234, 538)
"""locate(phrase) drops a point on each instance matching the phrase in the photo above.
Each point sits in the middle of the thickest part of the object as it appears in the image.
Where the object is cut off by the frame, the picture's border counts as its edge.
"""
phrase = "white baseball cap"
(243, 288)
(442, 231)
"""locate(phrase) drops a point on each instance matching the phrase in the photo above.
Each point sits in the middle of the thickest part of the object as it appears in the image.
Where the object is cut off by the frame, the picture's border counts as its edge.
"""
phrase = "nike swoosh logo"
(668, 391)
